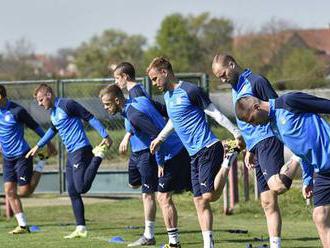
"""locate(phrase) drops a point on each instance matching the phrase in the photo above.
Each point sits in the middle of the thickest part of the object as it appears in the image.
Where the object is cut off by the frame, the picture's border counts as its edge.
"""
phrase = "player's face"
(44, 99)
(256, 116)
(110, 105)
(159, 78)
(227, 74)
(120, 80)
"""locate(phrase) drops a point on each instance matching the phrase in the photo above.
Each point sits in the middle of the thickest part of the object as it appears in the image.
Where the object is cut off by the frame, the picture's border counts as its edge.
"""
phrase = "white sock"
(208, 239)
(229, 159)
(81, 228)
(149, 229)
(275, 242)
(20, 217)
(39, 167)
(173, 235)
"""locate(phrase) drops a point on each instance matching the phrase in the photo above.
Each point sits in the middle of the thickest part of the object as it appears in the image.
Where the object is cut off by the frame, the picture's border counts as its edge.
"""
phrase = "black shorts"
(18, 170)
(269, 154)
(143, 170)
(176, 173)
(205, 165)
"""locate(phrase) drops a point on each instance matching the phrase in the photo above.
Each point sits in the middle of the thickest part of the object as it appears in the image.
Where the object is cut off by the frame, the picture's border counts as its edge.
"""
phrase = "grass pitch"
(117, 217)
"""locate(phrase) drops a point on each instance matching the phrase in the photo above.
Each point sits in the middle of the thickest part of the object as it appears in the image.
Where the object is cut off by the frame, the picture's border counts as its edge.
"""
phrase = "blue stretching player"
(186, 106)
(124, 75)
(172, 159)
(295, 120)
(19, 177)
(265, 151)
(82, 162)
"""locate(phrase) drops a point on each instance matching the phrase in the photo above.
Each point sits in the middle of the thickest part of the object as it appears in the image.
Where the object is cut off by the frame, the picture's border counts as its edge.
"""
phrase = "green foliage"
(112, 47)
(174, 41)
(300, 67)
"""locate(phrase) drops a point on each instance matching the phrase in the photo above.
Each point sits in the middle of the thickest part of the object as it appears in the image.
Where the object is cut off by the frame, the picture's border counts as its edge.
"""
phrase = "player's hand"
(307, 191)
(154, 146)
(107, 141)
(51, 149)
(249, 160)
(32, 152)
(123, 147)
(160, 170)
(240, 143)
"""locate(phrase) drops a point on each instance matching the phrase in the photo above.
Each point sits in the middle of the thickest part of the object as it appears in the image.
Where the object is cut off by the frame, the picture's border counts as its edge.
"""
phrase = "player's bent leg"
(280, 183)
(269, 203)
(321, 218)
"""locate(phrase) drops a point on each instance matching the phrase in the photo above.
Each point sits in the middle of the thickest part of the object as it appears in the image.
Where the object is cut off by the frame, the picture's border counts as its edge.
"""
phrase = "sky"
(53, 24)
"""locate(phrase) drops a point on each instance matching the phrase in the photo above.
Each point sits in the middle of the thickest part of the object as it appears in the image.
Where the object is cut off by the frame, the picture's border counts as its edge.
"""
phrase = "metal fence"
(112, 176)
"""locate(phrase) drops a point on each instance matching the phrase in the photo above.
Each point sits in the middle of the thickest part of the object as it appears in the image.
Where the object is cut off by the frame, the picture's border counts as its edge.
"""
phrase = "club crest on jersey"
(7, 118)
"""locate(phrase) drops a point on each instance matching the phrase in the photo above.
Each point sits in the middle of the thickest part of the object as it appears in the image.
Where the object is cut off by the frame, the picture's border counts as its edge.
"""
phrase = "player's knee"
(211, 197)
(320, 216)
(281, 185)
(24, 192)
(11, 194)
(268, 205)
(163, 198)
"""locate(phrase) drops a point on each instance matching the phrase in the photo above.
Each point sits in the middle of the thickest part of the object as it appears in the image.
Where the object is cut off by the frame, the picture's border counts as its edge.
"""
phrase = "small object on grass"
(132, 227)
(249, 246)
(116, 239)
(34, 229)
(237, 231)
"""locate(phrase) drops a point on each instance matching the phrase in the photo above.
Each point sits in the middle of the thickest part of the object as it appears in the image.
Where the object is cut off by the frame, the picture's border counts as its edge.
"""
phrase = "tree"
(94, 58)
(16, 61)
(174, 41)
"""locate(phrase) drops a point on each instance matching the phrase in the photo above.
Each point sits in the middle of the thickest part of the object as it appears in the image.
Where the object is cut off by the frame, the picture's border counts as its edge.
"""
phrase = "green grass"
(106, 220)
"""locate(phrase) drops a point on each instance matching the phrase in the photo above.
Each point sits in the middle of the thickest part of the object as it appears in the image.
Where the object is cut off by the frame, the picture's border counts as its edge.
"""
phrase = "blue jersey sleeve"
(262, 89)
(142, 123)
(196, 95)
(24, 117)
(304, 103)
(97, 125)
(47, 137)
(307, 173)
(73, 108)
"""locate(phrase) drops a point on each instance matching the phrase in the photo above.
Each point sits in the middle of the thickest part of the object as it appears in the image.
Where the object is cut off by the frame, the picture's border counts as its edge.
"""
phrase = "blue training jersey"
(295, 120)
(137, 91)
(12, 120)
(66, 118)
(250, 84)
(147, 123)
(185, 107)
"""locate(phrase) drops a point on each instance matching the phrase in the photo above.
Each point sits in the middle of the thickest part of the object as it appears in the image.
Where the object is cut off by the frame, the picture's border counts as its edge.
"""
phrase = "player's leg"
(202, 205)
(273, 150)
(176, 175)
(321, 213)
(11, 178)
(25, 171)
(84, 168)
(148, 171)
(76, 202)
(269, 155)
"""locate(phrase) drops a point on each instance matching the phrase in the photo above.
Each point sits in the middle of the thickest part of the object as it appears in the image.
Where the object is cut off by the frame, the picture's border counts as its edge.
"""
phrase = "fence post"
(233, 184)
(226, 207)
(205, 82)
(245, 179)
(256, 193)
(148, 85)
(60, 93)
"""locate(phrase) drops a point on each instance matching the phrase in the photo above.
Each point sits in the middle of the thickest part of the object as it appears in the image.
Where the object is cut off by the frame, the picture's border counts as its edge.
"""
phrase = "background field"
(111, 217)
